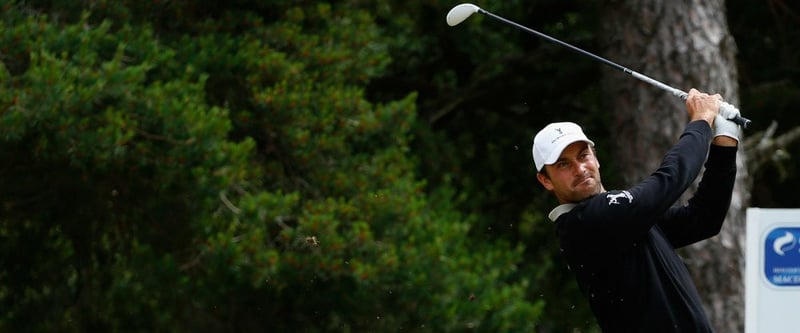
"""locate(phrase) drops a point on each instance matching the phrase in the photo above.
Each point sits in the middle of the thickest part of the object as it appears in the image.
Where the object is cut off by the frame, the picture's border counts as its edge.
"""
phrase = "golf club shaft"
(725, 108)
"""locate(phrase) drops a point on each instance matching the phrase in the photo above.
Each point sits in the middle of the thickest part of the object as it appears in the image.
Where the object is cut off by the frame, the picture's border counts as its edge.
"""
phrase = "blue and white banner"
(782, 257)
(772, 270)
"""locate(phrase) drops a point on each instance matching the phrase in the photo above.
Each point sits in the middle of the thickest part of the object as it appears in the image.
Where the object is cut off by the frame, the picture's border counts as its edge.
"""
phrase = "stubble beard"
(586, 188)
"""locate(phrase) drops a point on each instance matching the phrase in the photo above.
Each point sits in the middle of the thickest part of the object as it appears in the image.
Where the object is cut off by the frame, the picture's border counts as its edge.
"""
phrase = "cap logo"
(559, 136)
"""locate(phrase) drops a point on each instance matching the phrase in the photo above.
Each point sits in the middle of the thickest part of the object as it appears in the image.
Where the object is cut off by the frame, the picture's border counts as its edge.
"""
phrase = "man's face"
(575, 176)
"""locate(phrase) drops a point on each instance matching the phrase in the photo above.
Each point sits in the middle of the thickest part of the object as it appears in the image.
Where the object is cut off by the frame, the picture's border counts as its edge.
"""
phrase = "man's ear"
(545, 181)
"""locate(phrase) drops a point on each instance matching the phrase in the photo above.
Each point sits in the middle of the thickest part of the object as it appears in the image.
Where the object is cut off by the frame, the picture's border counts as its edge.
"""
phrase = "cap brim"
(563, 143)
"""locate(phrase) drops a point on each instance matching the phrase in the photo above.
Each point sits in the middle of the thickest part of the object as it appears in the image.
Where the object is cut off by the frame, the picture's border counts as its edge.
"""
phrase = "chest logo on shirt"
(613, 199)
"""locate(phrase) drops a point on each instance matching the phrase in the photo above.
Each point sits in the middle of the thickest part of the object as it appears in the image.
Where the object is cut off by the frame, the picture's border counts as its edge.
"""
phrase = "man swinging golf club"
(620, 244)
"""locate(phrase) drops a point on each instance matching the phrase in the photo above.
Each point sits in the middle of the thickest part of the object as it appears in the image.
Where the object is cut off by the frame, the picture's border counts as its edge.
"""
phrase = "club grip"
(729, 111)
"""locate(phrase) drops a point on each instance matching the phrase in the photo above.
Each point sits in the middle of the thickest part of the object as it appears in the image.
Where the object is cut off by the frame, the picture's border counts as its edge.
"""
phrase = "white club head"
(460, 13)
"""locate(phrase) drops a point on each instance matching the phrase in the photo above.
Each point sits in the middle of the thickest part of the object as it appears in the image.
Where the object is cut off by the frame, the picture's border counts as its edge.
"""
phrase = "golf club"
(461, 12)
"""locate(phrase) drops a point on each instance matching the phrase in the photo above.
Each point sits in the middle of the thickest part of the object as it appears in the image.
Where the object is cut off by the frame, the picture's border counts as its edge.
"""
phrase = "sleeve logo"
(614, 199)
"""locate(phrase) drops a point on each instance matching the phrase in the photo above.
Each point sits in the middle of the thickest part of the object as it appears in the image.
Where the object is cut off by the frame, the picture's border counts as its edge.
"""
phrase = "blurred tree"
(484, 89)
(768, 66)
(691, 45)
(687, 45)
(106, 169)
(172, 166)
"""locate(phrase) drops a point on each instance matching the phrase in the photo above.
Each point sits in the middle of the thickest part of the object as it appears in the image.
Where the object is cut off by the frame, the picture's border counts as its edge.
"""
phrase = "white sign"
(772, 273)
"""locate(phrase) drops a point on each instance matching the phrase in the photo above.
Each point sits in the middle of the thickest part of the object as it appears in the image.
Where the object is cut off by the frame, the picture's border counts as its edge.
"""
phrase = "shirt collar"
(560, 210)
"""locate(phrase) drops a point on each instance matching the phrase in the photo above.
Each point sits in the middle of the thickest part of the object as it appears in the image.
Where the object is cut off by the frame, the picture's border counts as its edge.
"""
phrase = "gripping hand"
(726, 127)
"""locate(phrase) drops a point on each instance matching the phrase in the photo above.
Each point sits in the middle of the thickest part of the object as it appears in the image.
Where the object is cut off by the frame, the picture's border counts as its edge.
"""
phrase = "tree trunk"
(684, 44)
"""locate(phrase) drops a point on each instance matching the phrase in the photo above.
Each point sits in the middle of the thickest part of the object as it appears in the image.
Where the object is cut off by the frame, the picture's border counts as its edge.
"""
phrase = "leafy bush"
(225, 172)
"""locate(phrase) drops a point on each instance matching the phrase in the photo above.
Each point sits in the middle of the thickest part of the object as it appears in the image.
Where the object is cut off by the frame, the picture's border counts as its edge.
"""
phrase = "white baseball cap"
(552, 139)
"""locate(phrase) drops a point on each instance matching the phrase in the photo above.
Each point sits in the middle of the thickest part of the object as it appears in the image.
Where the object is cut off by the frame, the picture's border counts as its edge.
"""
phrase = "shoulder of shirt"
(560, 210)
(568, 207)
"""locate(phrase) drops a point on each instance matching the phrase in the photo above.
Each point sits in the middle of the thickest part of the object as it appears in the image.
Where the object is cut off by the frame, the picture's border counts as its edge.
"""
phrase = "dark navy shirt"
(620, 244)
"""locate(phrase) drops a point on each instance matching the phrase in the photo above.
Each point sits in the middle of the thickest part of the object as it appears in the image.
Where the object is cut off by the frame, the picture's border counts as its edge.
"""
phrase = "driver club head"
(460, 13)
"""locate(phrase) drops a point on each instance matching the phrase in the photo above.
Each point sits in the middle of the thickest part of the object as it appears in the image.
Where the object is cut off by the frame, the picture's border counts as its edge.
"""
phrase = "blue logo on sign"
(782, 257)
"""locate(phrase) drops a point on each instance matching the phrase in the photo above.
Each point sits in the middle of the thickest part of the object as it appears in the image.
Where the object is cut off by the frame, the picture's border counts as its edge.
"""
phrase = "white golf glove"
(726, 127)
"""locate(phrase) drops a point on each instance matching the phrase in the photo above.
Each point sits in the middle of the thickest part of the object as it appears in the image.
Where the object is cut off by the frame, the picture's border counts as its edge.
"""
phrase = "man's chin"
(589, 186)
(586, 193)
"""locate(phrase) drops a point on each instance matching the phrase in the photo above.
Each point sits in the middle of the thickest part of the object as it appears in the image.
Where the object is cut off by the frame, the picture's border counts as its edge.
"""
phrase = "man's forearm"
(724, 141)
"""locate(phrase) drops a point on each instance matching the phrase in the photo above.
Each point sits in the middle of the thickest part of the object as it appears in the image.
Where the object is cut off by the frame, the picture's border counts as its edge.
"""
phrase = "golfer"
(621, 244)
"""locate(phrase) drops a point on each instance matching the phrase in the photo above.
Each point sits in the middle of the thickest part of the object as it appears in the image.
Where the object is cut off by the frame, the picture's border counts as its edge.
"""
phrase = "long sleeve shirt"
(620, 244)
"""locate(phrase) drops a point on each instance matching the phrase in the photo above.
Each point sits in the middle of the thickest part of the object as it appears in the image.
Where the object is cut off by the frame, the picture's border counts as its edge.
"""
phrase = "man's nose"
(580, 168)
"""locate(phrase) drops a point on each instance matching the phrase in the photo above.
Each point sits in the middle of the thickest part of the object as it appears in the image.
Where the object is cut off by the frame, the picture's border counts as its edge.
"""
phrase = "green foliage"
(109, 162)
(484, 89)
(226, 172)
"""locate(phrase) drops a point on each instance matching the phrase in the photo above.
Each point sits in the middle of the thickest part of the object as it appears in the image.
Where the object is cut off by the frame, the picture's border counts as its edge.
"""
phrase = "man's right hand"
(702, 106)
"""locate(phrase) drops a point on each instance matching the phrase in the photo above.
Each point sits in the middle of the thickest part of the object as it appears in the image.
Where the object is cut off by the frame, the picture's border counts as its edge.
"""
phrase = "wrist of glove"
(726, 127)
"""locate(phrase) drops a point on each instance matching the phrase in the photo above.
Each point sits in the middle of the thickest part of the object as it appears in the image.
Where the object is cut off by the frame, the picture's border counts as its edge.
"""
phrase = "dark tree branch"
(762, 148)
(473, 89)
